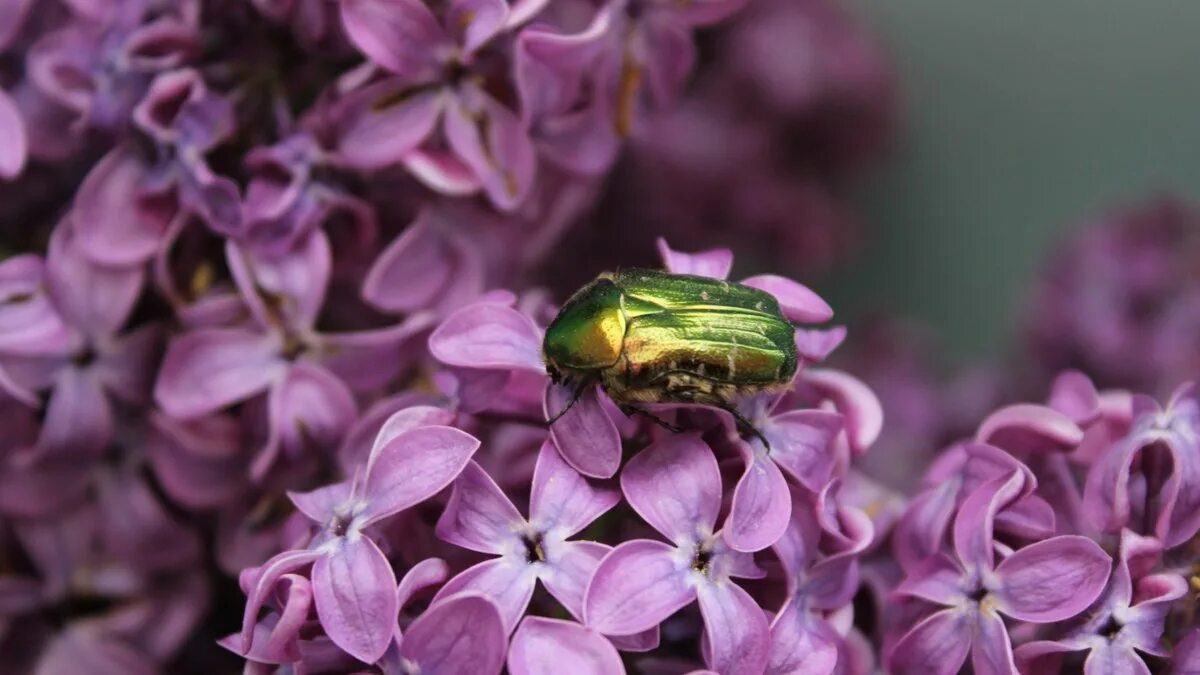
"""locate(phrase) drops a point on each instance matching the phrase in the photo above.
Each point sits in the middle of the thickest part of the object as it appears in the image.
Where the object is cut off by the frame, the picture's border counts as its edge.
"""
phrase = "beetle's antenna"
(634, 410)
(574, 399)
(747, 425)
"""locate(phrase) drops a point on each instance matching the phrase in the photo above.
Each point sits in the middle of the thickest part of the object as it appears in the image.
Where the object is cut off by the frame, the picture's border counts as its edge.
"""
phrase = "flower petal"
(585, 435)
(413, 467)
(380, 124)
(476, 21)
(355, 593)
(428, 572)
(400, 35)
(79, 422)
(1185, 659)
(422, 266)
(542, 646)
(1113, 658)
(801, 644)
(309, 410)
(321, 504)
(635, 587)
(1052, 580)
(463, 635)
(508, 582)
(491, 139)
(288, 288)
(264, 584)
(1074, 395)
(761, 506)
(94, 298)
(14, 144)
(1025, 427)
(562, 499)
(735, 628)
(991, 648)
(121, 227)
(208, 369)
(479, 516)
(937, 580)
(802, 444)
(714, 263)
(860, 408)
(936, 646)
(488, 335)
(568, 571)
(675, 485)
(975, 522)
(798, 302)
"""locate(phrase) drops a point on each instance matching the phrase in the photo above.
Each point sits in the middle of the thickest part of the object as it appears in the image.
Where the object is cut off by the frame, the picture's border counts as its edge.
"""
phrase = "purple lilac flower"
(352, 582)
(675, 486)
(1052, 580)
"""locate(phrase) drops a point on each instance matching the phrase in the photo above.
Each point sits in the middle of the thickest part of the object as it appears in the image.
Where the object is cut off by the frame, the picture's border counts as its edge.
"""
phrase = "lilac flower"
(541, 646)
(352, 581)
(1150, 480)
(307, 376)
(1130, 616)
(803, 638)
(436, 74)
(675, 486)
(1052, 580)
(479, 517)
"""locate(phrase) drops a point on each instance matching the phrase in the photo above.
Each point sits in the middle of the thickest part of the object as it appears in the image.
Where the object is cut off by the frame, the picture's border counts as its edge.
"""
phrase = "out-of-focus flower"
(1120, 301)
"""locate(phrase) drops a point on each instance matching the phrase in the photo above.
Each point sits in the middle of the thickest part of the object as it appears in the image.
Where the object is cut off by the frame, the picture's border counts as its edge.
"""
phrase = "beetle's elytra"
(652, 337)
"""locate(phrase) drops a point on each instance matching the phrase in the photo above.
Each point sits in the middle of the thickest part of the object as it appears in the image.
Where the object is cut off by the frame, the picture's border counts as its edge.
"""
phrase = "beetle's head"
(588, 333)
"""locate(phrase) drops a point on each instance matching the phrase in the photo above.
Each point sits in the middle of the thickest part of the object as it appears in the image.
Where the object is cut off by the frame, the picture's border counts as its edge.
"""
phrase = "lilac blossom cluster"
(1120, 299)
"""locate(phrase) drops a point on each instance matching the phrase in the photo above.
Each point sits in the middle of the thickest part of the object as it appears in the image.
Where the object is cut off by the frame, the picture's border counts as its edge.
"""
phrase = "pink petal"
(802, 444)
(463, 635)
(476, 21)
(562, 499)
(264, 585)
(417, 269)
(675, 485)
(801, 644)
(1074, 395)
(936, 646)
(208, 369)
(507, 582)
(406, 419)
(308, 409)
(1030, 428)
(1185, 659)
(479, 516)
(937, 580)
(761, 506)
(442, 171)
(569, 569)
(490, 138)
(816, 345)
(427, 573)
(1052, 580)
(361, 442)
(289, 287)
(991, 649)
(400, 35)
(14, 144)
(714, 263)
(736, 629)
(381, 123)
(797, 301)
(355, 593)
(79, 422)
(585, 436)
(1114, 658)
(368, 360)
(413, 467)
(321, 504)
(119, 227)
(635, 587)
(974, 524)
(487, 335)
(920, 531)
(860, 408)
(542, 646)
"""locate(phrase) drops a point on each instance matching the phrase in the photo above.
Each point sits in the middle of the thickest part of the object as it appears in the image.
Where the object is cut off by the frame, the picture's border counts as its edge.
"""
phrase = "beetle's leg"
(574, 399)
(631, 410)
(709, 399)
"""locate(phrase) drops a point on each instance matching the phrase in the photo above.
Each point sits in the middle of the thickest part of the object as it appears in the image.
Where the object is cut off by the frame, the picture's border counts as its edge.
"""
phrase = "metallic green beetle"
(652, 337)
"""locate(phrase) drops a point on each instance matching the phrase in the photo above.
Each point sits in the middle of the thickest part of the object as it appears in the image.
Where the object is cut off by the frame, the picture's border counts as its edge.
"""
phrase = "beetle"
(647, 336)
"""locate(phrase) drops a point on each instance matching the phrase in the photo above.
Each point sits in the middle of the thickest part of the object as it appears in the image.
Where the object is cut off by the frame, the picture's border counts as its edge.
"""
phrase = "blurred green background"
(1021, 119)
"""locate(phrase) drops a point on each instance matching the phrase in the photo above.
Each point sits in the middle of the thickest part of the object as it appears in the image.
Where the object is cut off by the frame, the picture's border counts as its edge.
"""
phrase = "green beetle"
(652, 337)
